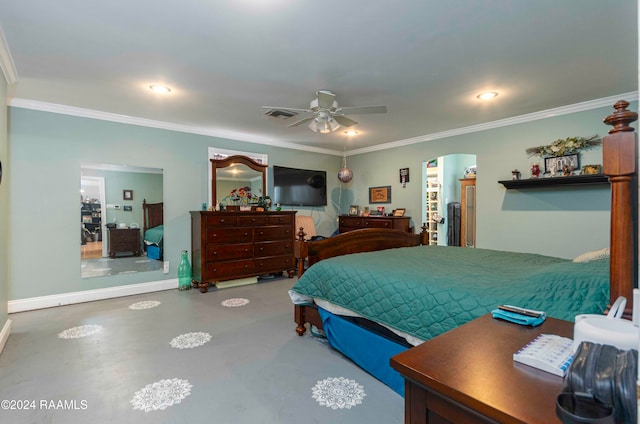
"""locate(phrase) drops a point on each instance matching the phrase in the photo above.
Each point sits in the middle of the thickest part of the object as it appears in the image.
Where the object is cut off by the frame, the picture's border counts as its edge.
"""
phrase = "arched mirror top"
(236, 168)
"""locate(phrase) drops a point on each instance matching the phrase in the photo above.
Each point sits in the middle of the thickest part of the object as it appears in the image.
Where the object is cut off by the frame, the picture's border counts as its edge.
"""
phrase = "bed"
(153, 229)
(398, 292)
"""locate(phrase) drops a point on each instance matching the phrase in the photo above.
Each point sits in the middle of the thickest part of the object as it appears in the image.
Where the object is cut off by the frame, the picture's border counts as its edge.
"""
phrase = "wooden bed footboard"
(357, 241)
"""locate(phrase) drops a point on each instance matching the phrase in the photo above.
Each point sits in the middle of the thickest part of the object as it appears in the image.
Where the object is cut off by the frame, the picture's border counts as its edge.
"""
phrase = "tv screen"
(299, 187)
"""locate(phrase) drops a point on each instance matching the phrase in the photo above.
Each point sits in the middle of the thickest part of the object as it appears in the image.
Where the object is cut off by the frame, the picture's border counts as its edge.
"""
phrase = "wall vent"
(279, 113)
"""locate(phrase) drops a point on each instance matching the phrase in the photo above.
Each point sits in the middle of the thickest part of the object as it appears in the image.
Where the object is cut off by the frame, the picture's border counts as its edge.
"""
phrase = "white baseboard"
(4, 334)
(41, 302)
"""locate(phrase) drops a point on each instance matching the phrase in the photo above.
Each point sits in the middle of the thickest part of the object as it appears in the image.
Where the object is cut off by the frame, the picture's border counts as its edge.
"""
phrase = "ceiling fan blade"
(301, 122)
(325, 99)
(360, 110)
(293, 109)
(344, 121)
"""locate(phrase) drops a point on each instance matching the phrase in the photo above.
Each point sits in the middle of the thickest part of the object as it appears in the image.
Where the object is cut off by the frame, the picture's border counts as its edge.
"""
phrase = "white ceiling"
(424, 59)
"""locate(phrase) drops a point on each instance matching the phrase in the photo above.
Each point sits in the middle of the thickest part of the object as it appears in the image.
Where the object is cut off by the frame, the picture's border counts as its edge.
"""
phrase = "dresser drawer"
(217, 270)
(229, 235)
(272, 264)
(221, 220)
(275, 232)
(377, 223)
(248, 221)
(351, 221)
(280, 219)
(217, 252)
(272, 248)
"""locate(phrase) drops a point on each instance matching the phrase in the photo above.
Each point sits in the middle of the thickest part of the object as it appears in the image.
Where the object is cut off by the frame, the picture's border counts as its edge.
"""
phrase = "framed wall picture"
(127, 194)
(354, 210)
(380, 194)
(556, 164)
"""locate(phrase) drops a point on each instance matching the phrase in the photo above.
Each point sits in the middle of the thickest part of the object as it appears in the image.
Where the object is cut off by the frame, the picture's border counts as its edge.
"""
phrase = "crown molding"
(529, 117)
(231, 135)
(132, 120)
(6, 61)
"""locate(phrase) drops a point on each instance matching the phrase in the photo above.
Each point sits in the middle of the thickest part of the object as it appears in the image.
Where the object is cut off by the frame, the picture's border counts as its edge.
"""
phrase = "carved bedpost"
(620, 164)
(424, 235)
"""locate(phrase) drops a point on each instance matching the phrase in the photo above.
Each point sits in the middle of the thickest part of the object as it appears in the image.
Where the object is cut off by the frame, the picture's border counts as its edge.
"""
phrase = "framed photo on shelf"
(399, 212)
(555, 164)
(127, 194)
(380, 194)
(380, 210)
(353, 210)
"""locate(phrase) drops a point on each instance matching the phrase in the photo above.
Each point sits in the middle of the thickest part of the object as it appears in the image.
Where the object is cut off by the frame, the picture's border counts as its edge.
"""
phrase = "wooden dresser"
(229, 245)
(124, 240)
(350, 223)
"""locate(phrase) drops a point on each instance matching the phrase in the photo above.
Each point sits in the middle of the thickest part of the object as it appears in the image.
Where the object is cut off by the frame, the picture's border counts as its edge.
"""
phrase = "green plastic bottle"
(184, 272)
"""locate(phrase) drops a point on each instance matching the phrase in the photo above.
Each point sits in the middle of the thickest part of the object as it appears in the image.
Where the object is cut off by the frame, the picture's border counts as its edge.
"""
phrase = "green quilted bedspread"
(427, 290)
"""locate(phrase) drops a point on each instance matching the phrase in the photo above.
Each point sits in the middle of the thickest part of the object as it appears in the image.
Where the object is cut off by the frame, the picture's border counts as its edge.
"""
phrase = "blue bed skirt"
(369, 350)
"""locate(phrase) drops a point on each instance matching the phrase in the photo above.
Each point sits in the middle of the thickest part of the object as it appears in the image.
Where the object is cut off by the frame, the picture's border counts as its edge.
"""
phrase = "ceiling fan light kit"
(327, 116)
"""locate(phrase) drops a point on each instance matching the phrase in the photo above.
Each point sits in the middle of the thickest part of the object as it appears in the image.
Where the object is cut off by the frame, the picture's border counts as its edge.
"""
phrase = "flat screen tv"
(299, 187)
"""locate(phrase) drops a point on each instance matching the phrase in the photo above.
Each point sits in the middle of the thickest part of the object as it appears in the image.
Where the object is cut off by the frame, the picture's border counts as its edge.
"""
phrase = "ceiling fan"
(327, 116)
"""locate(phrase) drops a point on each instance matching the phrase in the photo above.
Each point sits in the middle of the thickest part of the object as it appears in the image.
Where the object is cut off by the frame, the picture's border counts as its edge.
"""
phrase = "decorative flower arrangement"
(240, 196)
(567, 146)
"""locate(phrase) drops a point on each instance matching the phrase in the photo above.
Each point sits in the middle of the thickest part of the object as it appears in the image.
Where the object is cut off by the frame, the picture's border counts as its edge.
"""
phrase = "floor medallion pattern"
(190, 340)
(81, 331)
(161, 394)
(338, 393)
(146, 304)
(235, 302)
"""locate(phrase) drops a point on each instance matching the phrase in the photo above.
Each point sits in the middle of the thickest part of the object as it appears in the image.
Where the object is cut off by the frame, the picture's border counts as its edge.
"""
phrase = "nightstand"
(124, 240)
(467, 375)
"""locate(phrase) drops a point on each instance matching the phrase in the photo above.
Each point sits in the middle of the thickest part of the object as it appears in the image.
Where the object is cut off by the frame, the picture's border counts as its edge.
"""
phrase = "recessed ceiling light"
(487, 95)
(160, 89)
(351, 133)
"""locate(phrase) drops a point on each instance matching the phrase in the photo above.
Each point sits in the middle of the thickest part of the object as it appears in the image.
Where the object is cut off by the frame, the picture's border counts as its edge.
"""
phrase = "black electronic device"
(299, 187)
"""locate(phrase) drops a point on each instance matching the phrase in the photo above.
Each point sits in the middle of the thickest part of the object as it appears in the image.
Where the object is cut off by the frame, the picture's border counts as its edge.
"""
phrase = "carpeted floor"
(226, 356)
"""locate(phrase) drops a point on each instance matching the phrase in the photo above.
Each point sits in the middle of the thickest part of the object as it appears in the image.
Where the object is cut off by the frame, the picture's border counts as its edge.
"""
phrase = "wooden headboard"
(152, 215)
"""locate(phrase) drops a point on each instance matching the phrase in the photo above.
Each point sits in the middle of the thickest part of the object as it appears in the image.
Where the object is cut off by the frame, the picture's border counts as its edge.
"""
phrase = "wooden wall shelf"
(573, 180)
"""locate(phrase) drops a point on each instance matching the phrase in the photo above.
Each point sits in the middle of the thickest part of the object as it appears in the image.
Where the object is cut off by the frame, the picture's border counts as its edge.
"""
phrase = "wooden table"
(468, 375)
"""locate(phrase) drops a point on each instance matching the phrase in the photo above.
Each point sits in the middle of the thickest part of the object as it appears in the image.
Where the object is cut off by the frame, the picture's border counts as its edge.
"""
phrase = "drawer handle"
(246, 250)
(261, 233)
(261, 249)
(246, 266)
(221, 220)
(246, 234)
(215, 253)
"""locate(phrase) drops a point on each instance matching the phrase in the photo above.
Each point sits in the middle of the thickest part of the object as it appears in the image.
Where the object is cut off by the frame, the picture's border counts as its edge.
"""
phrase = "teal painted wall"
(46, 154)
(47, 150)
(560, 222)
(4, 204)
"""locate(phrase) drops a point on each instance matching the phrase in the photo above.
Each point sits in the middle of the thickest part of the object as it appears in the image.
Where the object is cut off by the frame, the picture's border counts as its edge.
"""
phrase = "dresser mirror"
(111, 209)
(231, 174)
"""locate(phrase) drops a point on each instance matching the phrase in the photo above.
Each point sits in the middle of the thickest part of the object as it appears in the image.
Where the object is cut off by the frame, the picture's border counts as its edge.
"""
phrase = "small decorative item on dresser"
(399, 212)
(515, 174)
(353, 210)
(184, 272)
(535, 170)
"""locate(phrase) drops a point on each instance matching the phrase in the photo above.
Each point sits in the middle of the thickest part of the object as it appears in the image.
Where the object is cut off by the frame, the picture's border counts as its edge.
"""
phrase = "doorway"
(92, 198)
(441, 179)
